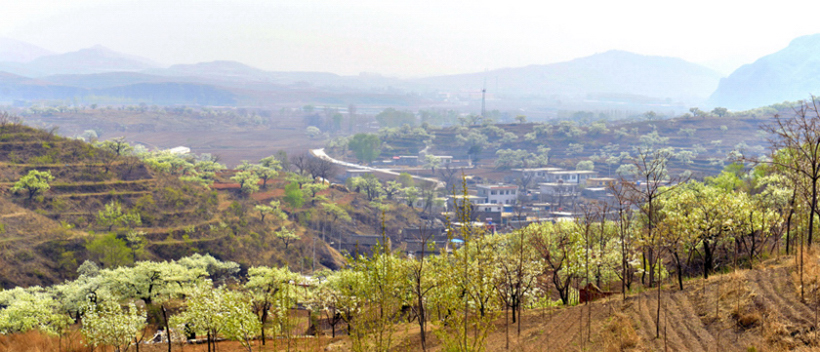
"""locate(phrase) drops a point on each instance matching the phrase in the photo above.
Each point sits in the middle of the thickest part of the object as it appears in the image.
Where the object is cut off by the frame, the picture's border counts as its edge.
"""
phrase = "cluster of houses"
(525, 196)
(548, 193)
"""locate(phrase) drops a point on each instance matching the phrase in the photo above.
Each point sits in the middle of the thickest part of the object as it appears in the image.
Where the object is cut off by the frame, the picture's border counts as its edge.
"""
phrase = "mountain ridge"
(96, 59)
(614, 71)
(789, 74)
(12, 50)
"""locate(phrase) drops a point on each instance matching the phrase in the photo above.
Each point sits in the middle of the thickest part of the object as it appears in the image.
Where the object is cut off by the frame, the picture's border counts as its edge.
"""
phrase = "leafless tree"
(449, 175)
(300, 162)
(318, 167)
(623, 206)
(521, 201)
(421, 284)
(795, 144)
(653, 181)
(428, 196)
(284, 162)
(7, 119)
(525, 180)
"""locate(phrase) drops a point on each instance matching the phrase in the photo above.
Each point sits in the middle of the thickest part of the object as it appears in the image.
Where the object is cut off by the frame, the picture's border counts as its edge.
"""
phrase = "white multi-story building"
(498, 194)
(578, 177)
(538, 174)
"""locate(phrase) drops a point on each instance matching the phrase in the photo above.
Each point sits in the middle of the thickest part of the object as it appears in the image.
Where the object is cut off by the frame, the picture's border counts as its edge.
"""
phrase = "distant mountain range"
(30, 73)
(606, 73)
(19, 88)
(787, 75)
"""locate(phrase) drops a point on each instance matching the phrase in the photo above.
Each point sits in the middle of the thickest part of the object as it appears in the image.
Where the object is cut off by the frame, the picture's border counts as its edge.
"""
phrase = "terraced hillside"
(44, 238)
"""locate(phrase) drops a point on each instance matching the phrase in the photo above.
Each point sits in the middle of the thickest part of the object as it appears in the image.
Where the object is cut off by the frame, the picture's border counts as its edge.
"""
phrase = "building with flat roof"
(498, 194)
(600, 181)
(459, 200)
(536, 174)
(570, 176)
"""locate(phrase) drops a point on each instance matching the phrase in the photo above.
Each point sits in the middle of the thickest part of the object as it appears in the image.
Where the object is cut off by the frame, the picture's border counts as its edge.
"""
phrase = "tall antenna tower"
(483, 93)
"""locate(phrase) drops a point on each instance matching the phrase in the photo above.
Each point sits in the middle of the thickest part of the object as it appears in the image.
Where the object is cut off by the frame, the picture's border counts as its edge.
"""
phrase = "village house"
(488, 212)
(459, 200)
(406, 160)
(577, 177)
(497, 194)
(560, 194)
(600, 181)
(536, 175)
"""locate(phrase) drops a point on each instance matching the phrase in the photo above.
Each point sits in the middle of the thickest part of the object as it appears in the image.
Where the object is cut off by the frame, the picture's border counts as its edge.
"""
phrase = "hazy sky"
(410, 38)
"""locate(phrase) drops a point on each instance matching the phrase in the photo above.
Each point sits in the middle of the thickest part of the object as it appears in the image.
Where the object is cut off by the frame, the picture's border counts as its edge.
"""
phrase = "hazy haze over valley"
(405, 38)
(527, 56)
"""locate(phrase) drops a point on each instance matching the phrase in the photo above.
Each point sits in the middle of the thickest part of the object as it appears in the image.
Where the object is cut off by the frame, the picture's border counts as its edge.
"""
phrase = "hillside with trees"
(702, 142)
(66, 201)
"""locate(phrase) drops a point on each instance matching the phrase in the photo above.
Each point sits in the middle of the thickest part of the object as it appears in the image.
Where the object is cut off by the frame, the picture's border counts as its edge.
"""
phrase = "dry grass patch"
(35, 341)
(620, 334)
(809, 281)
(740, 299)
(776, 333)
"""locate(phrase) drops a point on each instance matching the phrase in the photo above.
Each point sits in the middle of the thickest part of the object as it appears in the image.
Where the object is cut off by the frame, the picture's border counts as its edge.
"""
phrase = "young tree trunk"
(167, 328)
(512, 306)
(643, 273)
(813, 211)
(624, 264)
(658, 316)
(789, 221)
(651, 262)
(707, 259)
(680, 270)
(519, 322)
(507, 326)
(263, 320)
(422, 322)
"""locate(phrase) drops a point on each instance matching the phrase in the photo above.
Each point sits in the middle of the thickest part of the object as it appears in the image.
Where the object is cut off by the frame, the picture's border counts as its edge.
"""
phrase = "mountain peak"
(786, 75)
(95, 59)
(98, 48)
(810, 39)
(213, 69)
(16, 51)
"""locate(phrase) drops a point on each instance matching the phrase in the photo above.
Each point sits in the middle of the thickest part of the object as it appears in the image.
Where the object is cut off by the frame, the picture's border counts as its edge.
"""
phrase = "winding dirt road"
(320, 153)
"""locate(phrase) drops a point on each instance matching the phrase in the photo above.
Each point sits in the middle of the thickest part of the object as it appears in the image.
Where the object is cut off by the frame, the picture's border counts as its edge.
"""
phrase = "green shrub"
(109, 251)
(24, 255)
(41, 160)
